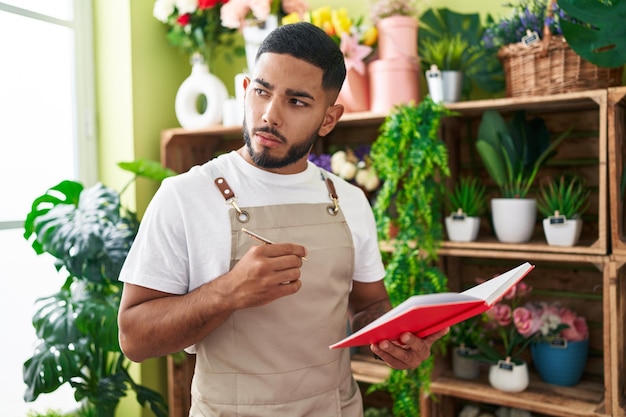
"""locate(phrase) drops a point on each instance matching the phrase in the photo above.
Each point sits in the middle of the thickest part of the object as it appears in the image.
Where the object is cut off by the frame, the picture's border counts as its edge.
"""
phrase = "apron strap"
(231, 198)
(243, 216)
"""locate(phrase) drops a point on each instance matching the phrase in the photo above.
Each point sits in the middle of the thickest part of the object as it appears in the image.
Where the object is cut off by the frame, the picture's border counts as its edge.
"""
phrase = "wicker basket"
(550, 66)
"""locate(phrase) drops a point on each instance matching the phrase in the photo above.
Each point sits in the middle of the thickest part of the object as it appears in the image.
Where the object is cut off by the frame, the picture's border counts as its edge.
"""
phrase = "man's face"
(286, 110)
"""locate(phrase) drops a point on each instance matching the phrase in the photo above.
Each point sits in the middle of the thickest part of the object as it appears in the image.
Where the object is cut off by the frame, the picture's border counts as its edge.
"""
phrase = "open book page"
(426, 314)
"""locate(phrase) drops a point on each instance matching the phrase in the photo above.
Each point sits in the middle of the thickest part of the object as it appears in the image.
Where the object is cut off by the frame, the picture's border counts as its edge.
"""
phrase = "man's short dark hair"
(311, 44)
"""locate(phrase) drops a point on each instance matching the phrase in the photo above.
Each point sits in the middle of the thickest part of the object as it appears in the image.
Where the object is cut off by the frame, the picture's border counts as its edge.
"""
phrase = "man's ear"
(333, 113)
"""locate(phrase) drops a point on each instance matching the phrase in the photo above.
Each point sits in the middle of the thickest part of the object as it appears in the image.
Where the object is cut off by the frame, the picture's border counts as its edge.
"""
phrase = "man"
(259, 316)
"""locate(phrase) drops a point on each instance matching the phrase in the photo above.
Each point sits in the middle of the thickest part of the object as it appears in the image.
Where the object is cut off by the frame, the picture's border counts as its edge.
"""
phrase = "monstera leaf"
(601, 37)
(484, 68)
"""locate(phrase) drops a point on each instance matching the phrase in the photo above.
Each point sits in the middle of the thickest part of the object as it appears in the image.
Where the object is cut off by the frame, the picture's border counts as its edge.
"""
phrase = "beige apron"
(274, 360)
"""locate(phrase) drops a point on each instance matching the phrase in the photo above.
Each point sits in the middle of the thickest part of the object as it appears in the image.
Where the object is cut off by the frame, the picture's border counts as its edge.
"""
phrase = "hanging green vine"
(412, 162)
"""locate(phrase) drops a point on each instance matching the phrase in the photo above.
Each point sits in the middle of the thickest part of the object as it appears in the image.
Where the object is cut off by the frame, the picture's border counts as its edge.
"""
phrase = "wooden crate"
(617, 332)
(617, 155)
(583, 153)
(581, 282)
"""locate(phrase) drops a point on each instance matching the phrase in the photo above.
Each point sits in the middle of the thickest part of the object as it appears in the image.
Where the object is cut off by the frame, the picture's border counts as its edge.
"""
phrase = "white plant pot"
(562, 234)
(452, 86)
(509, 377)
(514, 219)
(463, 229)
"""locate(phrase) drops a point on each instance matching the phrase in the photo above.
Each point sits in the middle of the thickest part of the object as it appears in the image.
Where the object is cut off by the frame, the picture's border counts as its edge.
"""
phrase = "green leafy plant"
(469, 196)
(513, 152)
(448, 53)
(89, 233)
(564, 196)
(598, 33)
(412, 161)
(480, 66)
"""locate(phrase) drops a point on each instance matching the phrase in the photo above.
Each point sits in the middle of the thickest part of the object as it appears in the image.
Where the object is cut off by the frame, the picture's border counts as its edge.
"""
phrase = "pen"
(262, 239)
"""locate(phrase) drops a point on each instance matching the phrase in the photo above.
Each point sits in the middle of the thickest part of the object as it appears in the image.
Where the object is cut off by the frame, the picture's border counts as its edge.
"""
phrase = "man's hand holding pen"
(266, 273)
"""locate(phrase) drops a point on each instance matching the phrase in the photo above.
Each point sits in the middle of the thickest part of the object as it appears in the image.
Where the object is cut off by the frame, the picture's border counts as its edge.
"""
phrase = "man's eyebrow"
(295, 93)
(289, 92)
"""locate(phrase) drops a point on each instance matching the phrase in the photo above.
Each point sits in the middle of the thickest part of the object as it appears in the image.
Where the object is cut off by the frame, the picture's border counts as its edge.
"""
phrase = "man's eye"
(297, 102)
(260, 92)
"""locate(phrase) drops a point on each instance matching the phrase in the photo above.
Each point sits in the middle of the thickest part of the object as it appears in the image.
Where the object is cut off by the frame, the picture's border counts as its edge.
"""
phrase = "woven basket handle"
(547, 35)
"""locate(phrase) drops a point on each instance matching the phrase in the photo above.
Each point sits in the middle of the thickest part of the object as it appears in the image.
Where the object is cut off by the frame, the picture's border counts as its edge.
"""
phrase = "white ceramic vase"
(200, 83)
(462, 229)
(565, 233)
(253, 35)
(509, 377)
(514, 218)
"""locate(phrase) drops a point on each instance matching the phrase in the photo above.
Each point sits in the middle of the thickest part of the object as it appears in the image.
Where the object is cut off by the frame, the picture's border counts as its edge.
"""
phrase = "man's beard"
(263, 159)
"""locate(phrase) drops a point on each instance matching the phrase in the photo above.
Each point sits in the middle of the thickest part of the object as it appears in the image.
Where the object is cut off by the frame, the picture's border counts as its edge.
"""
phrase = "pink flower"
(526, 321)
(577, 329)
(354, 53)
(501, 314)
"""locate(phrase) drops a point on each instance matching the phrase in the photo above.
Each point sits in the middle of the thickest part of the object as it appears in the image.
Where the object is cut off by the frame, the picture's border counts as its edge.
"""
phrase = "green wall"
(137, 75)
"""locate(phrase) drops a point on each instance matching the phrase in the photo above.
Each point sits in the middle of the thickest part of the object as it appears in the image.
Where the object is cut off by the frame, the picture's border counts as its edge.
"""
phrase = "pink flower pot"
(355, 93)
(393, 82)
(397, 37)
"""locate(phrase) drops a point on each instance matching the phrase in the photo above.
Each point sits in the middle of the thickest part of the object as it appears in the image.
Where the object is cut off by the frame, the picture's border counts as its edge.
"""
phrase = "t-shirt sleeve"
(368, 263)
(158, 258)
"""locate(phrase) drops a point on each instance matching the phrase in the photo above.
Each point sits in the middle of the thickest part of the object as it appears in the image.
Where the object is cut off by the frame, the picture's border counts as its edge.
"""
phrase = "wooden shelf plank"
(582, 400)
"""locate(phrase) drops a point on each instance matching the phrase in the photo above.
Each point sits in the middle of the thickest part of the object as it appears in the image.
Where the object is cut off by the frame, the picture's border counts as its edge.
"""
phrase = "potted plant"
(560, 342)
(512, 153)
(396, 21)
(467, 202)
(459, 37)
(411, 161)
(508, 371)
(89, 233)
(465, 338)
(561, 202)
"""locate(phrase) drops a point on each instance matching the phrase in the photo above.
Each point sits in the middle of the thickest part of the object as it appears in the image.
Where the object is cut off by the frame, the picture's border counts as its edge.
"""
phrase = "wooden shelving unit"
(592, 273)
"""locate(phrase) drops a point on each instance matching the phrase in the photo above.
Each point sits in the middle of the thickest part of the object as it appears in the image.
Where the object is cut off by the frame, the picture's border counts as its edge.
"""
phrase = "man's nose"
(273, 113)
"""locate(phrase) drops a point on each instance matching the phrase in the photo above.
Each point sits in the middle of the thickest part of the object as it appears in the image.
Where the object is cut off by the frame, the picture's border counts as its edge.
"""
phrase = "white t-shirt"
(184, 238)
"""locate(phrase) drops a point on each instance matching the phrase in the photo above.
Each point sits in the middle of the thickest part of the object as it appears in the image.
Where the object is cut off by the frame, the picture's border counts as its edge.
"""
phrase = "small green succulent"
(565, 196)
(468, 196)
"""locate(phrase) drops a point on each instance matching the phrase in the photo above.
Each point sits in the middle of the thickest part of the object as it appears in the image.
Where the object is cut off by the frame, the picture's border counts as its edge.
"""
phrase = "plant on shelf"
(560, 341)
(444, 29)
(89, 233)
(467, 201)
(506, 339)
(512, 153)
(562, 201)
(411, 161)
(447, 53)
(464, 339)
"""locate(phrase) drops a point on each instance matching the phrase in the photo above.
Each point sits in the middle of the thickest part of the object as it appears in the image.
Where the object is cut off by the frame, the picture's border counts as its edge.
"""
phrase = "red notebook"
(426, 314)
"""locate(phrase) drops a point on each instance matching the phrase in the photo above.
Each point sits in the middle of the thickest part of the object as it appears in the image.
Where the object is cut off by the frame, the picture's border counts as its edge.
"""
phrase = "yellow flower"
(370, 36)
(321, 15)
(291, 18)
(341, 21)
